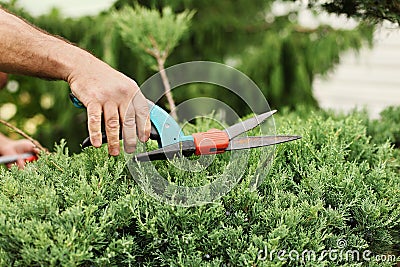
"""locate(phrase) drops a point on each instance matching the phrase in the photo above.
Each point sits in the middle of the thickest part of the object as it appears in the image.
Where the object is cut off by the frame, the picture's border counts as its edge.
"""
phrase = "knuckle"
(127, 91)
(94, 118)
(142, 111)
(129, 122)
(112, 123)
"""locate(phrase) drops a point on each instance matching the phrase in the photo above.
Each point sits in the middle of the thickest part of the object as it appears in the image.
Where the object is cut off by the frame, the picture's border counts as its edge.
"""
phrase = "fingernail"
(115, 152)
(96, 143)
(144, 138)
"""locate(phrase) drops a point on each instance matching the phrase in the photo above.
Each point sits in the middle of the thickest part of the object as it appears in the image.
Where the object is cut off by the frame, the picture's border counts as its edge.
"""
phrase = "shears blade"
(246, 125)
(259, 141)
(185, 148)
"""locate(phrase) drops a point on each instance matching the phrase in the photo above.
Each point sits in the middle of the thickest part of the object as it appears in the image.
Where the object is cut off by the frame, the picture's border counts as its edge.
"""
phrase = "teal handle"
(76, 101)
(167, 128)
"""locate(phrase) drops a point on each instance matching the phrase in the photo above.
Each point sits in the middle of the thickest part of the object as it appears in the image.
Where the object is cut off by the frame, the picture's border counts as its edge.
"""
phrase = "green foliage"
(388, 127)
(371, 10)
(292, 57)
(335, 183)
(150, 33)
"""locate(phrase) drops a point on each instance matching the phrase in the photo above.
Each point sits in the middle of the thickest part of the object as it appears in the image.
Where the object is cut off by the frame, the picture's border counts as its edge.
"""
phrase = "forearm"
(27, 50)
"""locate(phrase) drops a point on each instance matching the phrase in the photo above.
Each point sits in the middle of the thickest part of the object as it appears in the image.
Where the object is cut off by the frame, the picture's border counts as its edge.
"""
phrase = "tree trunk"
(167, 88)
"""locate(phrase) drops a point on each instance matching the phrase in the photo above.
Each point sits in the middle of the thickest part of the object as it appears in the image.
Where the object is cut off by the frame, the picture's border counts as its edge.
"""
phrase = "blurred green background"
(281, 56)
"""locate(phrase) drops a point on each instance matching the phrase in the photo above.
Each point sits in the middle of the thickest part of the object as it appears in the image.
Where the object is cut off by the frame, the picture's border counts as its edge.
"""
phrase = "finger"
(36, 150)
(25, 146)
(94, 123)
(111, 118)
(142, 117)
(20, 163)
(129, 128)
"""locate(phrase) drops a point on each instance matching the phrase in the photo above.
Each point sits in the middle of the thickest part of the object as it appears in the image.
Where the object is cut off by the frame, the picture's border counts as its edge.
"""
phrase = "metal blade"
(14, 158)
(259, 141)
(244, 126)
(185, 148)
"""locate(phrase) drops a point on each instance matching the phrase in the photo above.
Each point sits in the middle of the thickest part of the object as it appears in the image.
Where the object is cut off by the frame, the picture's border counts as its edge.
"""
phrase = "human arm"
(104, 91)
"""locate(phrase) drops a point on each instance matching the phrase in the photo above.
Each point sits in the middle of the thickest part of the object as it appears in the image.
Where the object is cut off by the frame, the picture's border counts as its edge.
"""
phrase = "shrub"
(388, 128)
(334, 185)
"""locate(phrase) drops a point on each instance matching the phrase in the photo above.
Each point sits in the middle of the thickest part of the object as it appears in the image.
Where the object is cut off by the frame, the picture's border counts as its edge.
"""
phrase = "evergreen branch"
(151, 51)
(155, 46)
(26, 136)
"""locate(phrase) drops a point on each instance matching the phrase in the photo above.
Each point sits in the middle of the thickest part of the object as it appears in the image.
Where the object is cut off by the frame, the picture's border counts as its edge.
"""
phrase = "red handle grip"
(31, 158)
(213, 141)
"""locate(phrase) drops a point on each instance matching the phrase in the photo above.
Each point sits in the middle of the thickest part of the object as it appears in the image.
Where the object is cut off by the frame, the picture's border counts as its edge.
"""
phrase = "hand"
(109, 93)
(10, 147)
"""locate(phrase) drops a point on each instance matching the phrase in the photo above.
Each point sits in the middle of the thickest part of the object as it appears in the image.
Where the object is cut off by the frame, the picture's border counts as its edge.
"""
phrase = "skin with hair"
(106, 93)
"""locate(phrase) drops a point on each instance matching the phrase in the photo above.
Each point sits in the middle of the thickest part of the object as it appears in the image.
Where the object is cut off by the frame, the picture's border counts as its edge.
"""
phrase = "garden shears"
(27, 157)
(173, 143)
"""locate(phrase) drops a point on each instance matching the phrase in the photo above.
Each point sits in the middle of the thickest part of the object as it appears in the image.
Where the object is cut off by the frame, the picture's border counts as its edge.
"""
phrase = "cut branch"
(23, 134)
